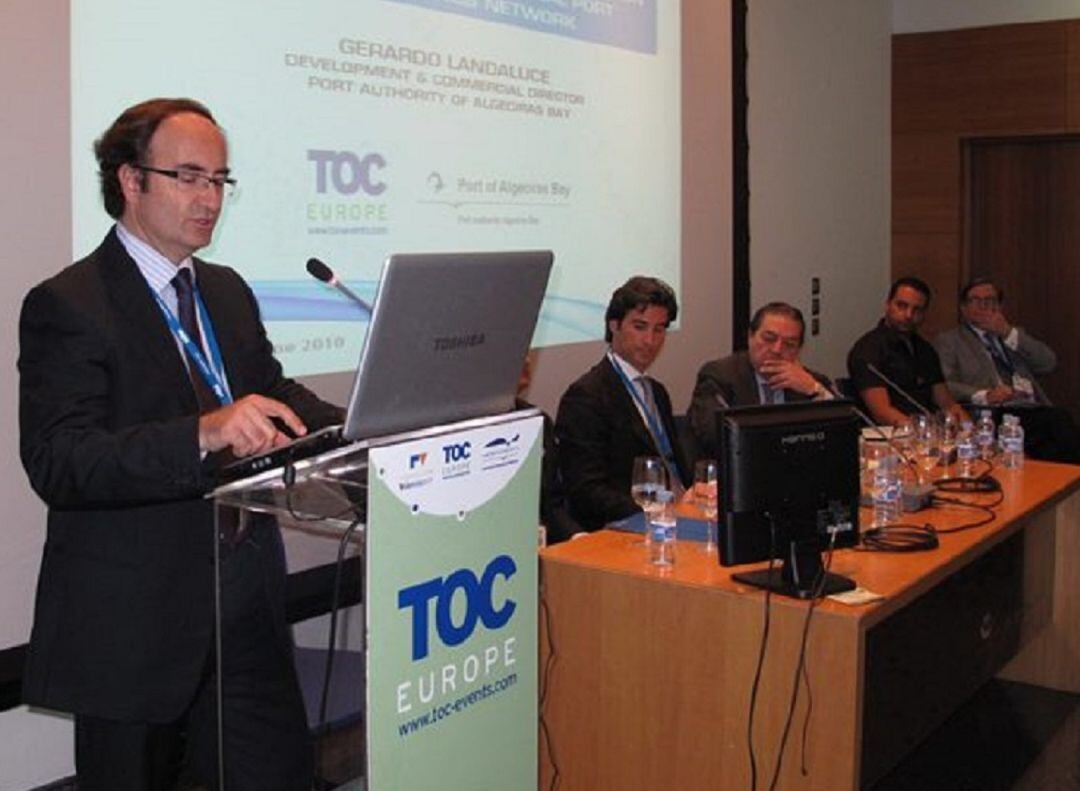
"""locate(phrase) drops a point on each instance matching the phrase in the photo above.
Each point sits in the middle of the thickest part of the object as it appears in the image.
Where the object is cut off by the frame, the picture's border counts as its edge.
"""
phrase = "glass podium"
(409, 604)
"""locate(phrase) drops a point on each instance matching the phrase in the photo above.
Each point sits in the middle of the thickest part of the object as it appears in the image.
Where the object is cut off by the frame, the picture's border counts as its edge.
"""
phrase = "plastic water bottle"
(1011, 437)
(984, 435)
(662, 531)
(966, 449)
(886, 490)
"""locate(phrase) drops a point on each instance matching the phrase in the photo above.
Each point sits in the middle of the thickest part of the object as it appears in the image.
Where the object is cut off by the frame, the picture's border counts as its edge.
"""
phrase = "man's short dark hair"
(975, 282)
(911, 282)
(636, 293)
(127, 142)
(779, 309)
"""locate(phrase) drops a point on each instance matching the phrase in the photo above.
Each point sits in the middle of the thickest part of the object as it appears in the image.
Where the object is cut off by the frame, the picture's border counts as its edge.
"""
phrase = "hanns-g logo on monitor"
(479, 605)
(347, 172)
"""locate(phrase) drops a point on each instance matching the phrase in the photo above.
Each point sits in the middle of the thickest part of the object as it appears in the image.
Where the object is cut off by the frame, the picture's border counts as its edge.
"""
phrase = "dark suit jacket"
(599, 432)
(109, 439)
(554, 512)
(728, 382)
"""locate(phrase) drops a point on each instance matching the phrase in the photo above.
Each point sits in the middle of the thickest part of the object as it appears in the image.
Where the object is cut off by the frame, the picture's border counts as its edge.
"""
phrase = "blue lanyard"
(211, 371)
(656, 427)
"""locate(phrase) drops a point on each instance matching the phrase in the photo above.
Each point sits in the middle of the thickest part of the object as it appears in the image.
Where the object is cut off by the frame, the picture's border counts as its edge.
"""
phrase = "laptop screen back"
(447, 340)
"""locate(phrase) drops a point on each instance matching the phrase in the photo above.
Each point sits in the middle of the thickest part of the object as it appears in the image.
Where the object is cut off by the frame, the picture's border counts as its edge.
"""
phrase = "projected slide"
(359, 128)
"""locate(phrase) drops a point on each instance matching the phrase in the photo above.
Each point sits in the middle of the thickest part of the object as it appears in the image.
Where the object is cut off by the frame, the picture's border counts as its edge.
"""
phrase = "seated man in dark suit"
(989, 361)
(768, 372)
(614, 412)
(554, 512)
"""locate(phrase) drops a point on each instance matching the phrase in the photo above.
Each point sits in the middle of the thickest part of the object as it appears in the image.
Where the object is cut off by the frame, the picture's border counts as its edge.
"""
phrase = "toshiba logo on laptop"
(448, 343)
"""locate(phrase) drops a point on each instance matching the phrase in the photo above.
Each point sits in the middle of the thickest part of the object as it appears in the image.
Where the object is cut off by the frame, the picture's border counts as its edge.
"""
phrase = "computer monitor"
(789, 480)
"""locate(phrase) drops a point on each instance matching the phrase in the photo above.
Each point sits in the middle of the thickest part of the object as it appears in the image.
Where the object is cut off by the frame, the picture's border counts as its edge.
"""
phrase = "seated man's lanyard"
(212, 371)
(652, 421)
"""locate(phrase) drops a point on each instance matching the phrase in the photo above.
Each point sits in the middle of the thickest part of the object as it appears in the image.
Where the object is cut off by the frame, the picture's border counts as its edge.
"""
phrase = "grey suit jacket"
(728, 382)
(968, 367)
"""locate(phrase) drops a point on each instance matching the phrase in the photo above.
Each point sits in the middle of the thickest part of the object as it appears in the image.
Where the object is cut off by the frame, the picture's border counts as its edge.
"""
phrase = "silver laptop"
(447, 340)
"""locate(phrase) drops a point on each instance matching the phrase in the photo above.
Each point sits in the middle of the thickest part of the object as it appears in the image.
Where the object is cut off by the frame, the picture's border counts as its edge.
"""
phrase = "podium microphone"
(320, 271)
(910, 399)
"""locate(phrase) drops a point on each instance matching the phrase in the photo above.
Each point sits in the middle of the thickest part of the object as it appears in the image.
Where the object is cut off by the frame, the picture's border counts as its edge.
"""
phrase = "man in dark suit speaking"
(141, 369)
(615, 412)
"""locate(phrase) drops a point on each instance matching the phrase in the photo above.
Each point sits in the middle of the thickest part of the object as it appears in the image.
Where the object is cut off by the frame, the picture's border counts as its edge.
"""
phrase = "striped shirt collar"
(155, 268)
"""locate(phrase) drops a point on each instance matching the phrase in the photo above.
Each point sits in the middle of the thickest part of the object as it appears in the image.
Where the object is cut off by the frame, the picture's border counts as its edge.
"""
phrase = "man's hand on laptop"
(248, 426)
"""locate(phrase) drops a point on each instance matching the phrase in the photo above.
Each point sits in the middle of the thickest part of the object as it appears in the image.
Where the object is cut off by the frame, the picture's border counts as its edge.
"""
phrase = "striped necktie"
(185, 308)
(653, 419)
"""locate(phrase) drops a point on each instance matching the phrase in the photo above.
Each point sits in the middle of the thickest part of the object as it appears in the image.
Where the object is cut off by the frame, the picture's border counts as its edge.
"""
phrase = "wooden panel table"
(649, 672)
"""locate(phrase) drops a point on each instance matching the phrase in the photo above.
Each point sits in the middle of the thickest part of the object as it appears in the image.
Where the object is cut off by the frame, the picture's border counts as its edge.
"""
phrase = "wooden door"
(1022, 228)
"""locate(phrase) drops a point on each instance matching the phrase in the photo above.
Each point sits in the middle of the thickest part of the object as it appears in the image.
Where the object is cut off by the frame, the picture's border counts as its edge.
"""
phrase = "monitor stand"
(800, 574)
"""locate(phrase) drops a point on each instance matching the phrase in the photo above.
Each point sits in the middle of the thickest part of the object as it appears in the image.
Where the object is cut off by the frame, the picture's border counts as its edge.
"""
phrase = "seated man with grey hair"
(767, 372)
(989, 361)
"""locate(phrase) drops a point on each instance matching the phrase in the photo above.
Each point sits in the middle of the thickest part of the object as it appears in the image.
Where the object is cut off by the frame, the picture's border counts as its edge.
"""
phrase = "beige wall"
(920, 16)
(819, 164)
(705, 307)
(35, 226)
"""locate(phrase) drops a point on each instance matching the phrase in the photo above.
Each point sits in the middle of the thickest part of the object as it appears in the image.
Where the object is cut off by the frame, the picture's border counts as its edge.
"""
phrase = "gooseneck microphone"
(914, 497)
(320, 271)
(910, 399)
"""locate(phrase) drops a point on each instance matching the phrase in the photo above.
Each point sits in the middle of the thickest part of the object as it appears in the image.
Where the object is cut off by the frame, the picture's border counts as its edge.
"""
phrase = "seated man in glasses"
(768, 372)
(990, 362)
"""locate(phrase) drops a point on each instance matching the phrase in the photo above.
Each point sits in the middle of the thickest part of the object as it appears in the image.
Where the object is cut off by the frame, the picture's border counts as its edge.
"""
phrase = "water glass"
(662, 531)
(706, 473)
(648, 479)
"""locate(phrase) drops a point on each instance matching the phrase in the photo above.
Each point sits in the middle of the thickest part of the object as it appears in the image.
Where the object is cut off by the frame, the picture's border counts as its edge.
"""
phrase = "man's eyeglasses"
(984, 302)
(194, 180)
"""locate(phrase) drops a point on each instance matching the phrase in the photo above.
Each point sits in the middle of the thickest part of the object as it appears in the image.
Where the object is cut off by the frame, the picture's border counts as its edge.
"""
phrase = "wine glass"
(705, 496)
(950, 429)
(926, 447)
(648, 479)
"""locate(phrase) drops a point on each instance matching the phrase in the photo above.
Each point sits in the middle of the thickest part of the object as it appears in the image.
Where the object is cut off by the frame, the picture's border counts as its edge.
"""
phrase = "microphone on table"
(909, 398)
(914, 497)
(321, 271)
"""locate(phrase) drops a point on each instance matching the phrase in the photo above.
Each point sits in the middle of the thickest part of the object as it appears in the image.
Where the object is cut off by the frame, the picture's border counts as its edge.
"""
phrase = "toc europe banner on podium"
(452, 609)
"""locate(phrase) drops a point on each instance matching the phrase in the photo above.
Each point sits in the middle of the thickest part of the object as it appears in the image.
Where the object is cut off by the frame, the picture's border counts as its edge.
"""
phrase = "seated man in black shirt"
(907, 366)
